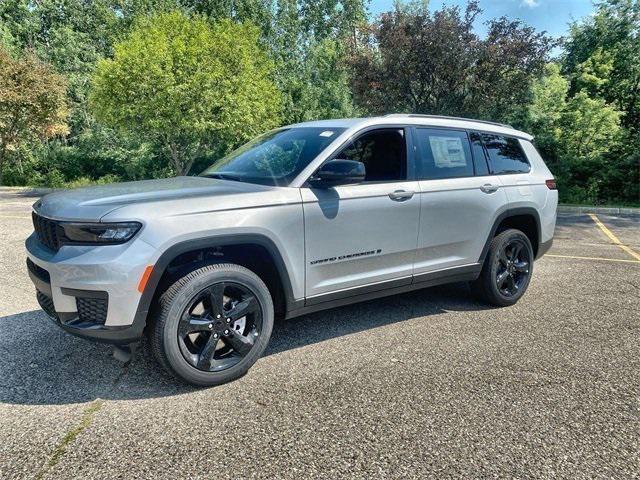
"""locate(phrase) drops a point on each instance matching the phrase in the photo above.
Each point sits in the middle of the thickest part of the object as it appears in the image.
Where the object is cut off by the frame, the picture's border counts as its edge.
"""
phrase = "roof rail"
(445, 117)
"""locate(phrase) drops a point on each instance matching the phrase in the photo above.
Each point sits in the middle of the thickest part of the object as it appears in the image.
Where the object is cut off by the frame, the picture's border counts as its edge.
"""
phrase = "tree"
(327, 94)
(602, 61)
(424, 62)
(576, 135)
(32, 102)
(308, 43)
(546, 110)
(607, 44)
(187, 86)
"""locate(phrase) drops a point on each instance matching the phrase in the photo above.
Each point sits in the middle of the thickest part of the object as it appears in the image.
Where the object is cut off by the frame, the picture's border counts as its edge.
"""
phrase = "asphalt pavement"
(429, 384)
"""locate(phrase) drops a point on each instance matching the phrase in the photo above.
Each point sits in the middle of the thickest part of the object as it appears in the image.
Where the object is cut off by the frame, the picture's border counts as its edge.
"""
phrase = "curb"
(29, 191)
(603, 210)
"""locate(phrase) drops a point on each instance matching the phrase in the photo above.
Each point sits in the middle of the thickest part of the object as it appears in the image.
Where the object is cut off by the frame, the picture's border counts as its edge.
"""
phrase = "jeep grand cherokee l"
(303, 218)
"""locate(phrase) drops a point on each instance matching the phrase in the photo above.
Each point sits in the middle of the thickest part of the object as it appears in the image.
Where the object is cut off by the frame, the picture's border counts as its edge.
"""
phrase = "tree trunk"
(176, 159)
(3, 151)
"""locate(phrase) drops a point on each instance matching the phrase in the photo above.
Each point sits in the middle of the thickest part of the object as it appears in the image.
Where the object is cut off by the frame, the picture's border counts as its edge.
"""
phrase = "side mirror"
(338, 172)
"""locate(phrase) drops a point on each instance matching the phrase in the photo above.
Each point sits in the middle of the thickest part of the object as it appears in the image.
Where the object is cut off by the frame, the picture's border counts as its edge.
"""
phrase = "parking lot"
(429, 384)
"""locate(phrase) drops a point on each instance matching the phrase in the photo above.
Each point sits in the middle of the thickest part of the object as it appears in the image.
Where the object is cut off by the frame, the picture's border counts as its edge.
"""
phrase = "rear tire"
(507, 269)
(212, 324)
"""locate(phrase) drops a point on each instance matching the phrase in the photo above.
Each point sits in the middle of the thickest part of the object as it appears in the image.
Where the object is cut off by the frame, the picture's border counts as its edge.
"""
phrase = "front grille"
(38, 271)
(92, 310)
(48, 231)
(46, 303)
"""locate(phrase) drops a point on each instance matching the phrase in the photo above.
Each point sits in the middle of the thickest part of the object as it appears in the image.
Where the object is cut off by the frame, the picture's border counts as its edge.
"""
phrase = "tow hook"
(125, 353)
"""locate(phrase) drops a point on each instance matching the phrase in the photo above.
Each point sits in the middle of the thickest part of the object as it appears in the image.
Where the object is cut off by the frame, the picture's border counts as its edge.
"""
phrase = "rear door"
(459, 199)
(363, 235)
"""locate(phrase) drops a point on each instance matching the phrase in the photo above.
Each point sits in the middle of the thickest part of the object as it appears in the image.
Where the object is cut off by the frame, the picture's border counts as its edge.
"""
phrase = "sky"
(550, 15)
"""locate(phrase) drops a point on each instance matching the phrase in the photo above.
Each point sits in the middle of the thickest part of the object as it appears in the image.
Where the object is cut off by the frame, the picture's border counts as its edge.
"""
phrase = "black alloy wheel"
(507, 269)
(212, 324)
(220, 326)
(513, 267)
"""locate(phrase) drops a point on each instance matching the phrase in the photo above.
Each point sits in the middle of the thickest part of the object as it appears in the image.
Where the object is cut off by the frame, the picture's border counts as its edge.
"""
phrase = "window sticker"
(447, 152)
(327, 133)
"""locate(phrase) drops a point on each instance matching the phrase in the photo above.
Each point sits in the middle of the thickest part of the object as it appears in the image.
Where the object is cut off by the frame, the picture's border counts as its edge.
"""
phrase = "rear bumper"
(544, 248)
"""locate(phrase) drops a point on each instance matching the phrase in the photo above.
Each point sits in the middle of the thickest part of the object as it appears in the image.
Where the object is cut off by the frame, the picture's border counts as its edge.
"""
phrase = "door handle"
(488, 188)
(401, 195)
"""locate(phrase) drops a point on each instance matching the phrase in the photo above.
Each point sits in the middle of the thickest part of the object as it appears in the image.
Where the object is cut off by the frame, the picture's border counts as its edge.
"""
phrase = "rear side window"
(506, 154)
(444, 153)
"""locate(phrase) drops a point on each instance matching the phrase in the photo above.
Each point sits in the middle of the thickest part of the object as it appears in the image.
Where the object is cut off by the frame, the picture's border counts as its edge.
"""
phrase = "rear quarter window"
(506, 154)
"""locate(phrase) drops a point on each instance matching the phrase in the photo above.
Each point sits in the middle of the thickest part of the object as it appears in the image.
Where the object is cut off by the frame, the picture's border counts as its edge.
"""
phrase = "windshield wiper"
(223, 176)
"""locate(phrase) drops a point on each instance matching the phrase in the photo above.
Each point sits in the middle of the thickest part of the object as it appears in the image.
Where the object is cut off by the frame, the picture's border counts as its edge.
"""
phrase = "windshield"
(274, 158)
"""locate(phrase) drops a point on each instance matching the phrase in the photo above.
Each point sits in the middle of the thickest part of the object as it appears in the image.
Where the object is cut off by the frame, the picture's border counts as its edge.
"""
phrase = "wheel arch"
(526, 219)
(205, 244)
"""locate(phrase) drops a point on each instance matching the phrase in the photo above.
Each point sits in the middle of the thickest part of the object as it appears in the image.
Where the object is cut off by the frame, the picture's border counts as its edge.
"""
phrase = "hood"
(92, 203)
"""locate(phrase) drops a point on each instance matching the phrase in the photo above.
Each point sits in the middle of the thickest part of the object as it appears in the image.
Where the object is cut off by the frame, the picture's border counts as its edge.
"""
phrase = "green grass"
(69, 438)
(603, 205)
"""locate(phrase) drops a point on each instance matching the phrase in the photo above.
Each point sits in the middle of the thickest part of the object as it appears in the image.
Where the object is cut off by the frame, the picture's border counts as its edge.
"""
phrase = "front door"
(363, 235)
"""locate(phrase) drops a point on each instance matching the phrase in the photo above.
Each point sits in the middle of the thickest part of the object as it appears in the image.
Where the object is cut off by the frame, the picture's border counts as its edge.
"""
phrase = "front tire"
(212, 324)
(507, 269)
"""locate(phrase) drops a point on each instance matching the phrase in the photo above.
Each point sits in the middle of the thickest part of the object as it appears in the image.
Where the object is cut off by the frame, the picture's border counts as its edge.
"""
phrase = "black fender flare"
(179, 248)
(511, 212)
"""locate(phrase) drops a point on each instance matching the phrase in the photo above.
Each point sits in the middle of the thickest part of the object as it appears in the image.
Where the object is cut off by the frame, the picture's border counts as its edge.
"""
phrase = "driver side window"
(383, 153)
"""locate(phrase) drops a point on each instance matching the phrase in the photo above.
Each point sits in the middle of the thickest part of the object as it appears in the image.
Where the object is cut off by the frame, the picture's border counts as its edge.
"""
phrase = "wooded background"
(111, 90)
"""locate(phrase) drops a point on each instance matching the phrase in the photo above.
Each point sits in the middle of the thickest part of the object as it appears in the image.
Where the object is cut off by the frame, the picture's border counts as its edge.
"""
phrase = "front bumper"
(91, 292)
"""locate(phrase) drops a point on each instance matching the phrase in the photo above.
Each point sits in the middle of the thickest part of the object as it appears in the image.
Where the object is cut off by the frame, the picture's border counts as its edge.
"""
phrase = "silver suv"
(303, 218)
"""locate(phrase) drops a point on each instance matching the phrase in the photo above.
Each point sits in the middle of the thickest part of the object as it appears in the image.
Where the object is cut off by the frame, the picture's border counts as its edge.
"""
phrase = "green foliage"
(310, 55)
(318, 86)
(7, 42)
(32, 102)
(549, 101)
(177, 83)
(585, 114)
(576, 135)
(594, 74)
(328, 94)
(590, 127)
(187, 85)
(607, 45)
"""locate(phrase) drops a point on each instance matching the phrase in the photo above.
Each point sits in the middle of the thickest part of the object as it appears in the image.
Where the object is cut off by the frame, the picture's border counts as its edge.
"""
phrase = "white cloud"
(530, 3)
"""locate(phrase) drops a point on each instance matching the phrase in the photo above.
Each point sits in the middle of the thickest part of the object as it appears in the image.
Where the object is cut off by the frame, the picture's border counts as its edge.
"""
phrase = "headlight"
(99, 233)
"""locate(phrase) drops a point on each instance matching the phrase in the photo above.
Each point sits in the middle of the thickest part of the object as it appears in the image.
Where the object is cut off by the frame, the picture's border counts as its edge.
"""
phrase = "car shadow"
(41, 364)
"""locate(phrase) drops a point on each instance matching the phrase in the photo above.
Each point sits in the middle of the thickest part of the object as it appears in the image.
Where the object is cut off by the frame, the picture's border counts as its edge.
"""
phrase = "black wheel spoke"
(503, 257)
(522, 267)
(245, 307)
(193, 324)
(239, 342)
(215, 299)
(512, 287)
(515, 251)
(207, 352)
(502, 277)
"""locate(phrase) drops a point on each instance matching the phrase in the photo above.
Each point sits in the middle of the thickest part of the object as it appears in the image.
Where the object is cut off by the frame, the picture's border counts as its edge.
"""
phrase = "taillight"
(551, 184)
